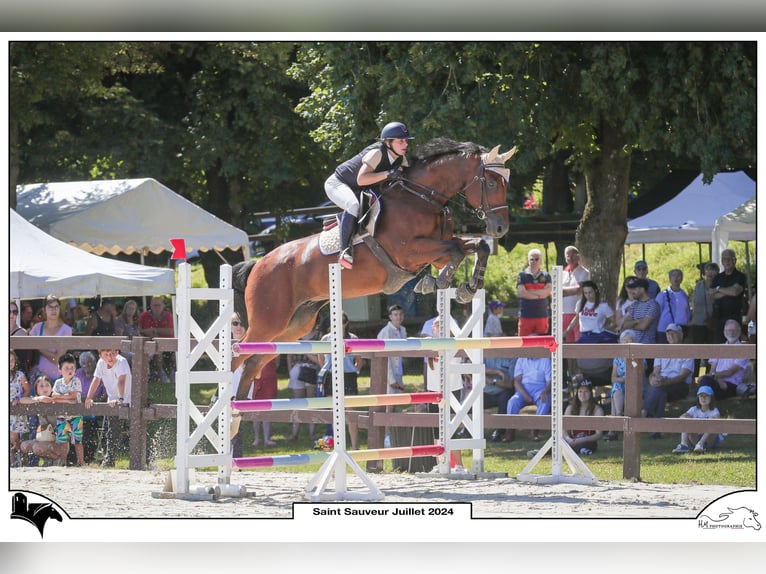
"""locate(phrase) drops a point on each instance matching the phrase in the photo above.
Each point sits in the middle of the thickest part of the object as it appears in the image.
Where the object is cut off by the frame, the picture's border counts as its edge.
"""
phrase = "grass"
(732, 464)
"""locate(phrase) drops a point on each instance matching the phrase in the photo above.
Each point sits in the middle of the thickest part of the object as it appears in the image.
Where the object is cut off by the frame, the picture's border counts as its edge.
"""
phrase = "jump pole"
(559, 448)
(357, 455)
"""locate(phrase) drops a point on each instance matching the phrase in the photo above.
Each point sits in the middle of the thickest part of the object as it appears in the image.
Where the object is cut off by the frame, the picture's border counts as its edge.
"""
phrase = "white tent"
(41, 264)
(738, 225)
(124, 216)
(692, 215)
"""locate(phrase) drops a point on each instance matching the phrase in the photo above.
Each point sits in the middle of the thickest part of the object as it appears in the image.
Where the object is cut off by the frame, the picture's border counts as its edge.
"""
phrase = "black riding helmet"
(395, 131)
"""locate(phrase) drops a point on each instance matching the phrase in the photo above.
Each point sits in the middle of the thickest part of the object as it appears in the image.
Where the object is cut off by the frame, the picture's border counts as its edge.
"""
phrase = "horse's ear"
(491, 157)
(507, 155)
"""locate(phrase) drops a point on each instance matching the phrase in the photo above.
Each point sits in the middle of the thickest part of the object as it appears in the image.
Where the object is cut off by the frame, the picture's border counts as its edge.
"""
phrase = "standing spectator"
(532, 381)
(641, 270)
(727, 291)
(674, 305)
(102, 321)
(23, 358)
(750, 320)
(704, 409)
(533, 289)
(127, 323)
(90, 423)
(113, 371)
(702, 325)
(68, 389)
(394, 330)
(727, 376)
(265, 388)
(303, 371)
(670, 379)
(52, 326)
(584, 404)
(158, 322)
(572, 277)
(594, 316)
(19, 388)
(643, 314)
(494, 327)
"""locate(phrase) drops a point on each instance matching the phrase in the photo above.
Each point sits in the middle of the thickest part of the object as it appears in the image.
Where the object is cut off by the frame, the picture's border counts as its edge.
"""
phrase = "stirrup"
(346, 259)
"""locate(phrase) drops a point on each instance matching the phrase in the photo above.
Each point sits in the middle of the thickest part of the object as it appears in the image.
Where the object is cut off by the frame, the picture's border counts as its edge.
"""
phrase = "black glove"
(395, 175)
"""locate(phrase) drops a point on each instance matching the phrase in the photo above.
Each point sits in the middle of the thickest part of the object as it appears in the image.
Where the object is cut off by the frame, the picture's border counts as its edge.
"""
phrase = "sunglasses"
(14, 311)
(236, 323)
(534, 259)
(52, 306)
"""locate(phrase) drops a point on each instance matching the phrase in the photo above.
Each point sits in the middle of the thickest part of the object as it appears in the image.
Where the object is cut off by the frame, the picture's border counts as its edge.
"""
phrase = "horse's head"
(492, 204)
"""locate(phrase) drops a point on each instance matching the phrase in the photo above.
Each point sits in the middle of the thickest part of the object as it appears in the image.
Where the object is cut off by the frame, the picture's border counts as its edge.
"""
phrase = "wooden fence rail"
(375, 419)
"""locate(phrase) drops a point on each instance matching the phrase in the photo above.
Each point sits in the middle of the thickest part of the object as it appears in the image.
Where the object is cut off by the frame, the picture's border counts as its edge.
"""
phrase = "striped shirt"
(641, 309)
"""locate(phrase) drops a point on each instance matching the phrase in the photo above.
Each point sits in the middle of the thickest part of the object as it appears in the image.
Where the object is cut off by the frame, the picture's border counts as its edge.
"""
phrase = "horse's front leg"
(466, 291)
(446, 255)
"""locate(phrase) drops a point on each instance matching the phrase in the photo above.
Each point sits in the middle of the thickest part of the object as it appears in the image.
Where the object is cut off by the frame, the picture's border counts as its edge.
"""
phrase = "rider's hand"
(395, 174)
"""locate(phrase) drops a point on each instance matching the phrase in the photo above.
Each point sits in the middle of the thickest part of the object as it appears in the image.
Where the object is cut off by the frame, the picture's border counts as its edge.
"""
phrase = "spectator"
(102, 320)
(68, 389)
(727, 291)
(619, 371)
(532, 382)
(43, 389)
(750, 320)
(158, 322)
(113, 371)
(22, 357)
(702, 326)
(641, 270)
(351, 367)
(27, 315)
(498, 387)
(127, 323)
(493, 327)
(727, 376)
(704, 409)
(19, 388)
(594, 316)
(52, 326)
(303, 371)
(674, 305)
(670, 379)
(572, 278)
(643, 314)
(265, 388)
(584, 404)
(89, 423)
(624, 301)
(533, 289)
(394, 330)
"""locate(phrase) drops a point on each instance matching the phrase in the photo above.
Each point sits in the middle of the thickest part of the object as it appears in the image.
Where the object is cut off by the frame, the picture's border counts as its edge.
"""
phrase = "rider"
(376, 163)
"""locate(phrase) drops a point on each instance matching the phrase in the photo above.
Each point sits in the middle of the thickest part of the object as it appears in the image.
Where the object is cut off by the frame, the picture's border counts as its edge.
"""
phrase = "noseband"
(484, 207)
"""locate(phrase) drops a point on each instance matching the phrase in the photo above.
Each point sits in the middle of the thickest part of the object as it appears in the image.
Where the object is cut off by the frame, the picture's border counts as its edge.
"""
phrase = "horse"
(281, 294)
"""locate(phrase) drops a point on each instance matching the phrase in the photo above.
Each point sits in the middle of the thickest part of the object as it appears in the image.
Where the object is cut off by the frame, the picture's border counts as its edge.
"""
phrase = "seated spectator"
(127, 323)
(727, 376)
(643, 314)
(584, 404)
(595, 317)
(674, 305)
(102, 320)
(617, 393)
(19, 388)
(158, 322)
(532, 381)
(493, 327)
(704, 409)
(498, 387)
(670, 379)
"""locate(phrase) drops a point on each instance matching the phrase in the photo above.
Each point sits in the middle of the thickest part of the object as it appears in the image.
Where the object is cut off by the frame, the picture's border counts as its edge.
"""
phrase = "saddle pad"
(329, 239)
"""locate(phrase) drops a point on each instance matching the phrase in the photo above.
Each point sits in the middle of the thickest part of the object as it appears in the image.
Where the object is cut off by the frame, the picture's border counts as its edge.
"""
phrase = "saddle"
(329, 238)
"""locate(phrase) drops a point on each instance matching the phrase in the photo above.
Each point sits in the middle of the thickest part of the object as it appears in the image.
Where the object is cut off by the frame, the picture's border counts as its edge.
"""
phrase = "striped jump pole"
(320, 456)
(327, 402)
(402, 345)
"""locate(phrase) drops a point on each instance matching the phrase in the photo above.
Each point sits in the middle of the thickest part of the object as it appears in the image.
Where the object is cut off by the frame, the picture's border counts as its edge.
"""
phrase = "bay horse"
(284, 291)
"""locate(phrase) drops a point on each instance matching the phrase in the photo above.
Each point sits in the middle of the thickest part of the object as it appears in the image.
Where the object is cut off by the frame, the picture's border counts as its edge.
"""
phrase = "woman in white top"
(595, 317)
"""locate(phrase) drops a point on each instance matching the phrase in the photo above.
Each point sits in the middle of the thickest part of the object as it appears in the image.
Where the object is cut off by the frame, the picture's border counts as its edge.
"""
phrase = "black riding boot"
(348, 224)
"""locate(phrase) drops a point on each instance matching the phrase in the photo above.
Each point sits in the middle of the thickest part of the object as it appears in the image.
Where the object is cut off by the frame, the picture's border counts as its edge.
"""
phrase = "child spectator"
(584, 404)
(617, 393)
(68, 389)
(493, 327)
(704, 409)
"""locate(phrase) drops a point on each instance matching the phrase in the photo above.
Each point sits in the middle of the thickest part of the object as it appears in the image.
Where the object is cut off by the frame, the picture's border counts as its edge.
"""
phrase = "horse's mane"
(440, 147)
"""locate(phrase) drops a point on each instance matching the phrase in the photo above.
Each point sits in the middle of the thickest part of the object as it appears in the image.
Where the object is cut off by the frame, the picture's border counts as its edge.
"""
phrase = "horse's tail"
(239, 274)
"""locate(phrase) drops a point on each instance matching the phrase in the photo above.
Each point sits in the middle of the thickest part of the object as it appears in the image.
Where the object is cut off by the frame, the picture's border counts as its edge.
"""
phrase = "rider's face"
(399, 145)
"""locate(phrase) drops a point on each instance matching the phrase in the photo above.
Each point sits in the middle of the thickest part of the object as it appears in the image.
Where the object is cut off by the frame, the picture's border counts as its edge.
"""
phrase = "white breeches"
(342, 195)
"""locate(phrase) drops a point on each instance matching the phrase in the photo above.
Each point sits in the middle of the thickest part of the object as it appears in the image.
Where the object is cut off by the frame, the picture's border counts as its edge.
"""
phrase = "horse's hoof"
(464, 293)
(426, 285)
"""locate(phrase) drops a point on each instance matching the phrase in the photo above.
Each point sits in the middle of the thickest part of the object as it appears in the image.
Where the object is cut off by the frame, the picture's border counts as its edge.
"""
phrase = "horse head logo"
(735, 518)
(36, 513)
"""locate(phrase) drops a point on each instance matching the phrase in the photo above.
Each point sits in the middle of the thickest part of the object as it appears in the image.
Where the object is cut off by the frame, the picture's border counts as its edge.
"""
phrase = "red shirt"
(147, 321)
